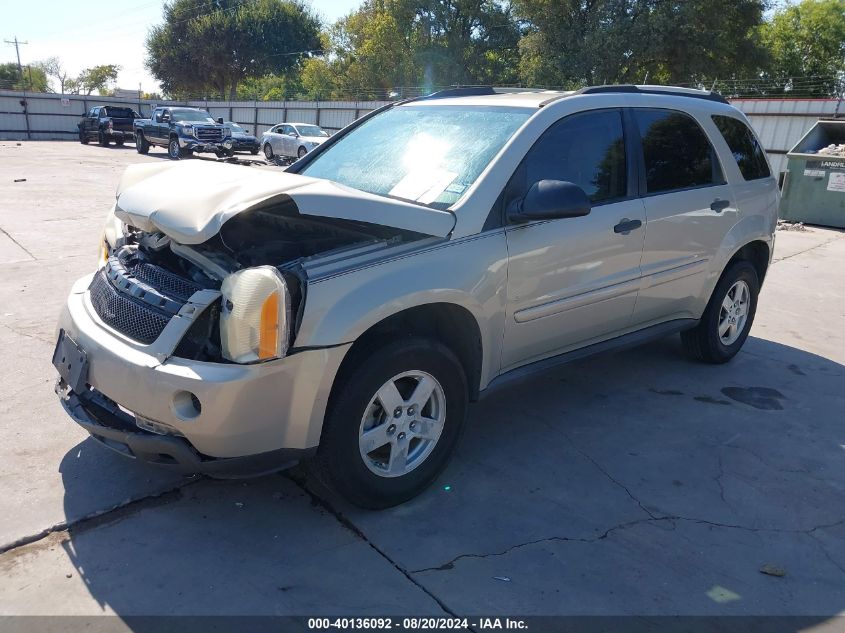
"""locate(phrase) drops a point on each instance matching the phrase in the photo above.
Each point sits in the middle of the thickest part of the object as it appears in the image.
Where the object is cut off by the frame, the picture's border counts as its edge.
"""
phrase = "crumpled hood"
(190, 200)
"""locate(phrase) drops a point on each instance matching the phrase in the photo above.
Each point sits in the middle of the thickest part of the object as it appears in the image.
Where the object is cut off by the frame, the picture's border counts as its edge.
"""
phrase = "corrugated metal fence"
(51, 116)
(780, 122)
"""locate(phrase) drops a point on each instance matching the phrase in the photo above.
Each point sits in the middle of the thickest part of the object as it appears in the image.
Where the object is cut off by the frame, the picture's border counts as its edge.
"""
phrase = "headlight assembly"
(255, 315)
(112, 232)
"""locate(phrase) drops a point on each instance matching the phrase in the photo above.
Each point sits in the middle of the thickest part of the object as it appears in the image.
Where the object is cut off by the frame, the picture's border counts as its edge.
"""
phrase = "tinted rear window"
(749, 156)
(118, 113)
(677, 152)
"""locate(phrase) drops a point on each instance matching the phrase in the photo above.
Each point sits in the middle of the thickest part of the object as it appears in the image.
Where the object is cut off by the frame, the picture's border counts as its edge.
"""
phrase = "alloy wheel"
(402, 424)
(733, 313)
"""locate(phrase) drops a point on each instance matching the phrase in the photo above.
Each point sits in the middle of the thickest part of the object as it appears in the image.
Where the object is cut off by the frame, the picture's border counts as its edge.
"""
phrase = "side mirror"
(220, 120)
(549, 200)
(165, 118)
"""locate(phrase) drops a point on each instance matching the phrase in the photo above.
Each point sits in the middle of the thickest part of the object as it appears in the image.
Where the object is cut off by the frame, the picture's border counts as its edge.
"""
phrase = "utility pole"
(20, 71)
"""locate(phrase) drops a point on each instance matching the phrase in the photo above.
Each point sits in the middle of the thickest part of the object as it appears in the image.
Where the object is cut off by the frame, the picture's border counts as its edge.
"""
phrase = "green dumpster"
(814, 185)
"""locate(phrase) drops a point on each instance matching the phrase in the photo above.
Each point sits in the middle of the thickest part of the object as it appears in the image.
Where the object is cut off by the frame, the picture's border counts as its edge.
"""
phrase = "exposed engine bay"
(274, 235)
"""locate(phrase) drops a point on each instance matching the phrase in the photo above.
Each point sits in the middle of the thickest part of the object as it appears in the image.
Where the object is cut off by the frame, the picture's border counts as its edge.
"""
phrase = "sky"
(82, 35)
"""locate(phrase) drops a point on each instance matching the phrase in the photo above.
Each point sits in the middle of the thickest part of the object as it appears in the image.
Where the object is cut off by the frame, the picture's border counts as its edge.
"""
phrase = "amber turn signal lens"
(268, 336)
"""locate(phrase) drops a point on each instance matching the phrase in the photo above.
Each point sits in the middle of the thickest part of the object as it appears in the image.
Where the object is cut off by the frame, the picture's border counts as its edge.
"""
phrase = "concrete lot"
(635, 483)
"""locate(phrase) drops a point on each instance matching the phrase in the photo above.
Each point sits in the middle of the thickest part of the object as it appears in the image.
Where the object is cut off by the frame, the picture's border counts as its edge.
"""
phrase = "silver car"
(348, 311)
(291, 140)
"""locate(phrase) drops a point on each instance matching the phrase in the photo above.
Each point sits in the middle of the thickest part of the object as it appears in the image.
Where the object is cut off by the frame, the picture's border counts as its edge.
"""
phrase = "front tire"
(102, 139)
(393, 422)
(173, 149)
(83, 137)
(268, 152)
(119, 142)
(727, 319)
(301, 152)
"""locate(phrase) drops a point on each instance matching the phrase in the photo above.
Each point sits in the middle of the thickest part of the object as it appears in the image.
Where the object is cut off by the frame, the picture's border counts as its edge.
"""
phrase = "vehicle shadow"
(636, 483)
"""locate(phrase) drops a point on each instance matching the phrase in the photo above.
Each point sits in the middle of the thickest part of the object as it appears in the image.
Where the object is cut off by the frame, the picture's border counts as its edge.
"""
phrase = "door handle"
(719, 205)
(625, 226)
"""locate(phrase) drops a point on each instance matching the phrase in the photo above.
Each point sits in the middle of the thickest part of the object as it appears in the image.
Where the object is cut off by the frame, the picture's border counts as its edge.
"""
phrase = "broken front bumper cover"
(195, 145)
(114, 428)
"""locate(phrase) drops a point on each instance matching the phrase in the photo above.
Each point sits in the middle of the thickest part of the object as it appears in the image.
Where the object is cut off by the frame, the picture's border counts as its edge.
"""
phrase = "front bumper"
(244, 409)
(195, 145)
(115, 429)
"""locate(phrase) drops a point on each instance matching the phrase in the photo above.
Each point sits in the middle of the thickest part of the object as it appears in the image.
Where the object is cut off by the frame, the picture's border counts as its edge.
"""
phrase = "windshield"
(310, 130)
(186, 114)
(426, 154)
(119, 113)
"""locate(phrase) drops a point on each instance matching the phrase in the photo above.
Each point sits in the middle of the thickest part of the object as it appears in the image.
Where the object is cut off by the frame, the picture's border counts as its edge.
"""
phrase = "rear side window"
(677, 152)
(749, 156)
(587, 149)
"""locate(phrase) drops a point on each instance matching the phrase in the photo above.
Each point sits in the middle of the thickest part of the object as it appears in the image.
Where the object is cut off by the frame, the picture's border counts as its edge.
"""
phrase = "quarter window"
(677, 152)
(750, 157)
(587, 149)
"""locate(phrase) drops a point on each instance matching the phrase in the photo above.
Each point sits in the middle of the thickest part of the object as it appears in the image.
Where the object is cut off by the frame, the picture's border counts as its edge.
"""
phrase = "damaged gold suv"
(347, 310)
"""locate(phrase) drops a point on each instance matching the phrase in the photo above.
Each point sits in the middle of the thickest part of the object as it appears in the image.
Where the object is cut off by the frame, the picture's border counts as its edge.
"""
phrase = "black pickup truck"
(106, 124)
(183, 131)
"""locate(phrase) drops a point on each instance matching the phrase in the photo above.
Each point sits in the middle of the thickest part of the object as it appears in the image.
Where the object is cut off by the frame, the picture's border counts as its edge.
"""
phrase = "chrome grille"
(209, 134)
(136, 319)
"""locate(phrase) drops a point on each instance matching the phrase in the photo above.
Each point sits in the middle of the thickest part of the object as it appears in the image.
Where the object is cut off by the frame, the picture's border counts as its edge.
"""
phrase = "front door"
(574, 281)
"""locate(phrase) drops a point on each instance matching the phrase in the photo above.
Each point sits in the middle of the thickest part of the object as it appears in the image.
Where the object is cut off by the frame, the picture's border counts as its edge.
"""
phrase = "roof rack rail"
(467, 91)
(648, 90)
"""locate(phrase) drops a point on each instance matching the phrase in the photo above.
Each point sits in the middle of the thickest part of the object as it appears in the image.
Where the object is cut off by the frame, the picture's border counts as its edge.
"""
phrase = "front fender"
(470, 273)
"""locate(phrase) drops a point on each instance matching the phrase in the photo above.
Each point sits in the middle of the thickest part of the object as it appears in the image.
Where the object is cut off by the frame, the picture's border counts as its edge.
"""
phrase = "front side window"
(430, 154)
(587, 149)
(677, 152)
(750, 157)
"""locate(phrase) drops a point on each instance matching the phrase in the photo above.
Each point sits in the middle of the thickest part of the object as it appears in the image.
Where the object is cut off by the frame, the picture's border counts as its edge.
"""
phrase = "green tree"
(388, 44)
(575, 43)
(33, 78)
(53, 68)
(806, 42)
(97, 78)
(213, 45)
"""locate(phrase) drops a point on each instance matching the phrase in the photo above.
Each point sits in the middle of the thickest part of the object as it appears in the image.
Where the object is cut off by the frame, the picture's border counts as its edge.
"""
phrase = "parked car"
(183, 131)
(242, 140)
(107, 123)
(349, 309)
(291, 140)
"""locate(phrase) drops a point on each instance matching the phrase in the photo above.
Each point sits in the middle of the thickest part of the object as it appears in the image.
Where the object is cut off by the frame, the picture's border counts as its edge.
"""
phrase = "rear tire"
(416, 431)
(728, 317)
(141, 144)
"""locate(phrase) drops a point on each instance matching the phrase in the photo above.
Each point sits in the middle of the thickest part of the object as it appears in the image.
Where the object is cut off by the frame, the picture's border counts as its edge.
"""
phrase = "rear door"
(573, 281)
(689, 210)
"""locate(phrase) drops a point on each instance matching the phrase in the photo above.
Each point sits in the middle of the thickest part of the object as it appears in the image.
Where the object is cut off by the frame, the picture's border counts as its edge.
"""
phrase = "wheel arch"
(757, 253)
(451, 324)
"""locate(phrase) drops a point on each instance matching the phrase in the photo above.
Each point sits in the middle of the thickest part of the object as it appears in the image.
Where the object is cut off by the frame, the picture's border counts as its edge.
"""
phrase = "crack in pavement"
(673, 520)
(100, 517)
(609, 476)
(807, 250)
(349, 525)
(18, 244)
